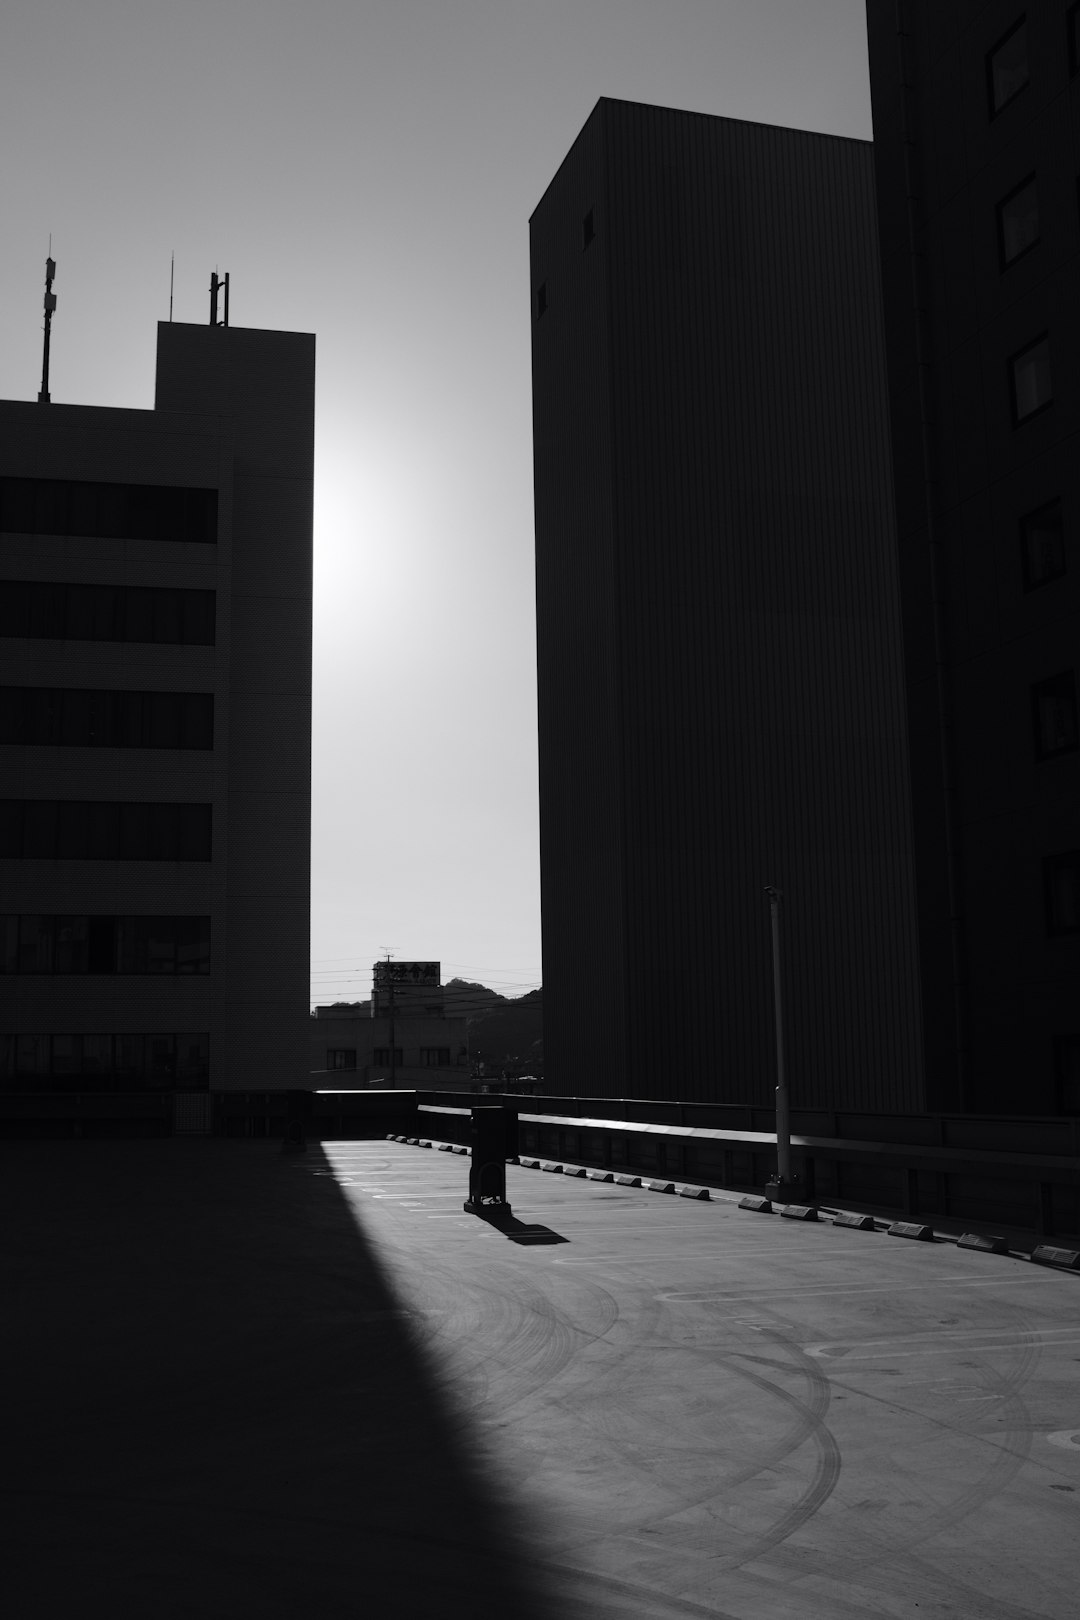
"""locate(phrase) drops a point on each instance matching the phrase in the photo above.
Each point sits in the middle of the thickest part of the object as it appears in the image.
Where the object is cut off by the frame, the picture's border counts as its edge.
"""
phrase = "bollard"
(487, 1167)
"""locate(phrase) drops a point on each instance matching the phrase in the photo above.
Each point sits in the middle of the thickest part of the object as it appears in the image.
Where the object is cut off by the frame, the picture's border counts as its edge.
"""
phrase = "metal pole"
(783, 1111)
(390, 1009)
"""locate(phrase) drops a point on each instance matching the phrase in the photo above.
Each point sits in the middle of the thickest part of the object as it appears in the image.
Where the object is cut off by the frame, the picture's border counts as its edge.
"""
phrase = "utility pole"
(390, 1010)
(390, 1016)
(782, 1185)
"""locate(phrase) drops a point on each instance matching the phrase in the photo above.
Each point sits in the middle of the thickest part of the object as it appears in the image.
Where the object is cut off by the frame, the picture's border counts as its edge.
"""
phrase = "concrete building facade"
(348, 1050)
(977, 149)
(155, 665)
(719, 652)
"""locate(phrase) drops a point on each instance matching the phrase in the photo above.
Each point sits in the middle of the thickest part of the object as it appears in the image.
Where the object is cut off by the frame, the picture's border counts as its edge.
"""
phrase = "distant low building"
(351, 1049)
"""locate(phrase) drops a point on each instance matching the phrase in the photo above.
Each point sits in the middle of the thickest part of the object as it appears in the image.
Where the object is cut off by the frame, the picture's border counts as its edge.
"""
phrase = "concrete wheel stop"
(912, 1229)
(980, 1240)
(1047, 1255)
(861, 1223)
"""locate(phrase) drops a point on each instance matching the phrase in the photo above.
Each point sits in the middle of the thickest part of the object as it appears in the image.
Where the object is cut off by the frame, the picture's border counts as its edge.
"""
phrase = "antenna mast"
(172, 273)
(50, 306)
(217, 286)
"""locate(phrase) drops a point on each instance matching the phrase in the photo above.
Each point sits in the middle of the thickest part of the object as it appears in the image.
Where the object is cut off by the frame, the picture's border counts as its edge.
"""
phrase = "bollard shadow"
(220, 1405)
(519, 1231)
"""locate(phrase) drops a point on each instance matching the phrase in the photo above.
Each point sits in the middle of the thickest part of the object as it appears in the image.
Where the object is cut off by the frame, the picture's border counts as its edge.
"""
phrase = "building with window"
(719, 651)
(975, 119)
(354, 1047)
(155, 694)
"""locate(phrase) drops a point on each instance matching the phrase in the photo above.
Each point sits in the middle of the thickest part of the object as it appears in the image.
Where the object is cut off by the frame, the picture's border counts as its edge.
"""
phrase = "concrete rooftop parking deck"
(241, 1381)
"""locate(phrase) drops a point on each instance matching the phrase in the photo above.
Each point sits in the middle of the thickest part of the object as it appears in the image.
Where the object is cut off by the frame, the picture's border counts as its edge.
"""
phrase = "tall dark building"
(155, 725)
(977, 147)
(720, 684)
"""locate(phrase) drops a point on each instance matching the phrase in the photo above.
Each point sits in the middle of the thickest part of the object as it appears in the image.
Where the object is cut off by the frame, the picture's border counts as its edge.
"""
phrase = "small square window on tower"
(1042, 545)
(1029, 379)
(541, 299)
(1053, 714)
(1007, 67)
(588, 229)
(1018, 221)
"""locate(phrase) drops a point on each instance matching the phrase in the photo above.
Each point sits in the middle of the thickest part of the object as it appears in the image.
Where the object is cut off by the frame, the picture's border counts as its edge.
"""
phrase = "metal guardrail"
(1023, 1190)
(1020, 1175)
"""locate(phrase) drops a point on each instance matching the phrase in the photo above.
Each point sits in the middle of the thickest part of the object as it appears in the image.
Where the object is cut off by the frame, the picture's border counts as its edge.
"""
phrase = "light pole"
(783, 1183)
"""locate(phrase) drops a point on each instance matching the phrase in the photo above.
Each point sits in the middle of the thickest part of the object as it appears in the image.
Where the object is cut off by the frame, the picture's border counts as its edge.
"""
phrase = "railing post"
(783, 1186)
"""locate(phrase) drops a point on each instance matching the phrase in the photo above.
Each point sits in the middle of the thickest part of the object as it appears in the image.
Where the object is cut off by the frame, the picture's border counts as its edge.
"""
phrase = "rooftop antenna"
(172, 272)
(50, 306)
(217, 286)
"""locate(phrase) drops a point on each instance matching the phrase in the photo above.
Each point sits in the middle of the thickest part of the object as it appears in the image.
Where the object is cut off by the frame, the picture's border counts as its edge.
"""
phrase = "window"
(101, 944)
(99, 511)
(381, 1057)
(434, 1057)
(97, 1055)
(104, 1062)
(1072, 24)
(193, 1061)
(541, 299)
(1029, 375)
(33, 944)
(69, 829)
(1007, 67)
(83, 718)
(1053, 706)
(1042, 545)
(588, 229)
(1018, 221)
(192, 935)
(341, 1057)
(1061, 878)
(1068, 1073)
(159, 1060)
(35, 949)
(71, 947)
(41, 610)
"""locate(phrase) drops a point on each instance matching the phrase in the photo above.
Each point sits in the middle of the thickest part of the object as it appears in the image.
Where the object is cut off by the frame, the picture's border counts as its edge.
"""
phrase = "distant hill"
(504, 1031)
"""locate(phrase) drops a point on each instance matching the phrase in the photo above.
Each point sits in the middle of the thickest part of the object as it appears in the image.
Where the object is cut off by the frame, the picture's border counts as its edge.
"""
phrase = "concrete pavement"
(252, 1382)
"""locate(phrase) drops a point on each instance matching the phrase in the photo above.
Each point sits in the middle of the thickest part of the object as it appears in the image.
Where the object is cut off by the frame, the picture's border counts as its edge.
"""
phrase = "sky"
(365, 170)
